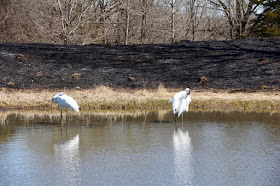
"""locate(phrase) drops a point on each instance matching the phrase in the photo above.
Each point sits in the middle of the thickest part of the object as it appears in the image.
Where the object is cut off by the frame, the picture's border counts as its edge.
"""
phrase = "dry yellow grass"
(107, 98)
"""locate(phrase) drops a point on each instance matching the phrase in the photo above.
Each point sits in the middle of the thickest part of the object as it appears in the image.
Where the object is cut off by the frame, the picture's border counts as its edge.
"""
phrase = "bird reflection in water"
(67, 157)
(182, 157)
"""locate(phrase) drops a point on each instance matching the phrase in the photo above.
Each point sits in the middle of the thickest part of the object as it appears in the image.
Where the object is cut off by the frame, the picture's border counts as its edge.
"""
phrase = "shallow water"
(140, 148)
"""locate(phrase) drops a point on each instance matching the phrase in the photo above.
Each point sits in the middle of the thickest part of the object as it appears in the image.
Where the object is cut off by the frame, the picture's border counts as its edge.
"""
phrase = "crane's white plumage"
(65, 101)
(181, 101)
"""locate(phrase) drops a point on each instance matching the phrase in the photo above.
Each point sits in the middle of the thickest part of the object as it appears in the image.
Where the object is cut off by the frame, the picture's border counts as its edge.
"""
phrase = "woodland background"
(118, 22)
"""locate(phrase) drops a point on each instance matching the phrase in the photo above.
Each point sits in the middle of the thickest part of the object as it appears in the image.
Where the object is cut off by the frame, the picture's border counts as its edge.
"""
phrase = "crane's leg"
(175, 122)
(67, 118)
(61, 114)
(61, 125)
(182, 119)
(66, 113)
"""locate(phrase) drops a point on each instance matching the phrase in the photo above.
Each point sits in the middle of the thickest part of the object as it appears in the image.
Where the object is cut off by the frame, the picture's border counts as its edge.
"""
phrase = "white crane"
(180, 102)
(65, 101)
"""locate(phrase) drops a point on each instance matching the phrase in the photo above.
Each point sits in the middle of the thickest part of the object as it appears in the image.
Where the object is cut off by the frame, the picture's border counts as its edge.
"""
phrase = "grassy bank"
(125, 99)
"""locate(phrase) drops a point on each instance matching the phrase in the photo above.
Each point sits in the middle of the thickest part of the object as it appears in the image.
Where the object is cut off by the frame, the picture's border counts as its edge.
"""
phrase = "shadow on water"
(139, 148)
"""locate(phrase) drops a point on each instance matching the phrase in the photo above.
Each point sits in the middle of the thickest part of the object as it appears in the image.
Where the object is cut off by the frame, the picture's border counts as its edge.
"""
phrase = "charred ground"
(241, 64)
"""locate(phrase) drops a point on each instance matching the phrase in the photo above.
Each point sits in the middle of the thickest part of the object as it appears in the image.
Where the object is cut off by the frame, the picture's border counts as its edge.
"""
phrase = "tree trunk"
(127, 23)
(172, 22)
(144, 21)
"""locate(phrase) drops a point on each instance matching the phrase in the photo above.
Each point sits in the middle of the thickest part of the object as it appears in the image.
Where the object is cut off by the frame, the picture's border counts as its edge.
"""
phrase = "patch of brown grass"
(103, 97)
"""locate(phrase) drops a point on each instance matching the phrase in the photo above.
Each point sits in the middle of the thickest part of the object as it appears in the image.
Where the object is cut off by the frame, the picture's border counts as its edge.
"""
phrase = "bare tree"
(5, 17)
(237, 13)
(127, 22)
(60, 21)
(196, 11)
(172, 4)
(72, 21)
(174, 12)
(15, 24)
(144, 19)
(122, 21)
(71, 13)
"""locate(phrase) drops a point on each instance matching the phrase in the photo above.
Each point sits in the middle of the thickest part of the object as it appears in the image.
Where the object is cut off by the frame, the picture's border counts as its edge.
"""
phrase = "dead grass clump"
(25, 99)
(11, 84)
(130, 78)
(162, 91)
(138, 61)
(204, 80)
(76, 76)
(263, 60)
(101, 89)
(21, 57)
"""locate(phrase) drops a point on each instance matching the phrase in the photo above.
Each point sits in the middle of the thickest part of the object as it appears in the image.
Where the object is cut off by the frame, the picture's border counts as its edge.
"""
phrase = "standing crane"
(180, 102)
(65, 101)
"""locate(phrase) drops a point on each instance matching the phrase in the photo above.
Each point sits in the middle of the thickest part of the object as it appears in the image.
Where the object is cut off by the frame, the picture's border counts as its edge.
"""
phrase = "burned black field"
(235, 64)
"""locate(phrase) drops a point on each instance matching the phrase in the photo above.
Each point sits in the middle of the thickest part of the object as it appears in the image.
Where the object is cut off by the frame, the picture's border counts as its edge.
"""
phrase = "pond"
(139, 148)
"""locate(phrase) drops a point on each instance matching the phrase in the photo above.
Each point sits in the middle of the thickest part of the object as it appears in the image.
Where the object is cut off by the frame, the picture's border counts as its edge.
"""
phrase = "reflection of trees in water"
(23, 118)
(5, 128)
(5, 132)
(67, 157)
(26, 118)
(182, 157)
(161, 114)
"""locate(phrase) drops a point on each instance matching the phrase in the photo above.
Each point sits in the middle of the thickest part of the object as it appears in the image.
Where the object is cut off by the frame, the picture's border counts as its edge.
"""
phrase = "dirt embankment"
(241, 64)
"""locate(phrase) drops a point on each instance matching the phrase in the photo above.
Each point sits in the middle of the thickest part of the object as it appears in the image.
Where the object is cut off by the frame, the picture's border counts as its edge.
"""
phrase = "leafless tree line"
(123, 21)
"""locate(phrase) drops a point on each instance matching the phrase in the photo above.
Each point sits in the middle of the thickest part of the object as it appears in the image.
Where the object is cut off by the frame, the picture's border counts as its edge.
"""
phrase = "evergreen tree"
(267, 23)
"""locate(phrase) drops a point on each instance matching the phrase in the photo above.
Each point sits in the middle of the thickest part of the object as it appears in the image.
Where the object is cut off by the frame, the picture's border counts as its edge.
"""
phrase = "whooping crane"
(65, 101)
(180, 102)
